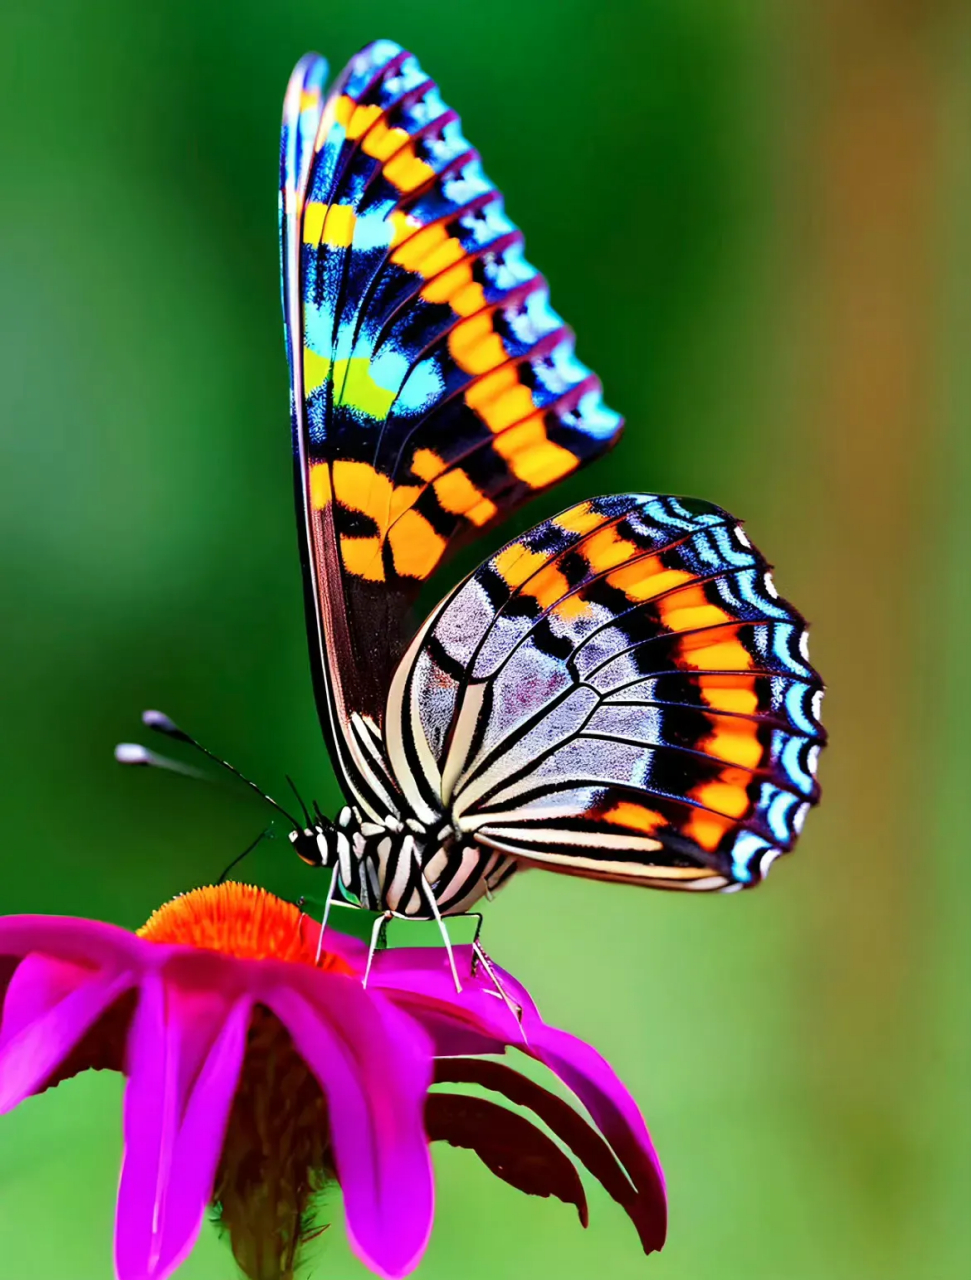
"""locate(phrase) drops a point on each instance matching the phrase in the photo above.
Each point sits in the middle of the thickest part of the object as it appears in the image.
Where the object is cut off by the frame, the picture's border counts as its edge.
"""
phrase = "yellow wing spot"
(331, 224)
(633, 816)
(382, 141)
(343, 109)
(415, 545)
(448, 282)
(316, 371)
(485, 390)
(581, 519)
(474, 346)
(572, 607)
(339, 226)
(308, 99)
(320, 488)
(406, 171)
(313, 221)
(357, 388)
(531, 455)
(354, 380)
(362, 117)
(457, 494)
(694, 618)
(468, 300)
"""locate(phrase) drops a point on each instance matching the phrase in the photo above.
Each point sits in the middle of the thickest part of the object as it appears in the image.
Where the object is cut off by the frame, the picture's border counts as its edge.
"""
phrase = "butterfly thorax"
(401, 865)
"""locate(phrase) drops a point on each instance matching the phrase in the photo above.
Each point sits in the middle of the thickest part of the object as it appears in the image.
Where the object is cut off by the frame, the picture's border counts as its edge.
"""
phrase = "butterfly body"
(400, 865)
(619, 693)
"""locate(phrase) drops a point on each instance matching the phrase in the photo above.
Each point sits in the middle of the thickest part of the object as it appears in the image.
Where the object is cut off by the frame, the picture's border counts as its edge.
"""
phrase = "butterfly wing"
(433, 387)
(619, 693)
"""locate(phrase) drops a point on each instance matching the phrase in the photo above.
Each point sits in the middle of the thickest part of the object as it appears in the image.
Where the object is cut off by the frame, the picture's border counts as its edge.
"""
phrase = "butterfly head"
(326, 843)
(310, 846)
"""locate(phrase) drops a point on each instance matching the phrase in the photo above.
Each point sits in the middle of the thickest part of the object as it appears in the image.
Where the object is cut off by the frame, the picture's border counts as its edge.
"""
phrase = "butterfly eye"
(307, 847)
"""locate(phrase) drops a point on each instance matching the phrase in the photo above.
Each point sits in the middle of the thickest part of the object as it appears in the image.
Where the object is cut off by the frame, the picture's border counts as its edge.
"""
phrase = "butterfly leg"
(429, 893)
(511, 1005)
(379, 927)
(327, 906)
(476, 949)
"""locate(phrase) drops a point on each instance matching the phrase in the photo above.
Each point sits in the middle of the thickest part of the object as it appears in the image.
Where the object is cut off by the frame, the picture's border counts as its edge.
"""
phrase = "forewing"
(434, 388)
(619, 693)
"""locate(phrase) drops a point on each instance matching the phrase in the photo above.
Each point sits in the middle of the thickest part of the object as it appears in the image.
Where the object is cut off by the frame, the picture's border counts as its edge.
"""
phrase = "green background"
(756, 216)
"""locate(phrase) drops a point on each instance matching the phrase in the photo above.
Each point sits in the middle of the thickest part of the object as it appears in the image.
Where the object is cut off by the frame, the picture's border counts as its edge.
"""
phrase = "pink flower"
(256, 1074)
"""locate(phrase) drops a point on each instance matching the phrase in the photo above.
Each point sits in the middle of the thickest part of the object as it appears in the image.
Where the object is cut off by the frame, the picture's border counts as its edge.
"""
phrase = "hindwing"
(619, 693)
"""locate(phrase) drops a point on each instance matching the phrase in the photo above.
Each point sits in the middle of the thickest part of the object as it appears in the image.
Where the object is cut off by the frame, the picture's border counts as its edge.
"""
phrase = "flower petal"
(509, 1145)
(564, 1120)
(87, 942)
(599, 1088)
(418, 980)
(374, 1066)
(49, 1005)
(185, 1052)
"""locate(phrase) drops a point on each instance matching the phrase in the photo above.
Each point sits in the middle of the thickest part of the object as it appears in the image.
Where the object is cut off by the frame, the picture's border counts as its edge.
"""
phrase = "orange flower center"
(239, 920)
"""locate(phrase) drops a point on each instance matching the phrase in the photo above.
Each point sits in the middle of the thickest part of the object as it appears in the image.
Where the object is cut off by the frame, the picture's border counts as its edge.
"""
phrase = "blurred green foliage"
(707, 187)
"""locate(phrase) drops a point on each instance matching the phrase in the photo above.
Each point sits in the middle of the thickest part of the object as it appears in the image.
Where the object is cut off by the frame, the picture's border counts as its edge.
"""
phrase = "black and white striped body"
(402, 866)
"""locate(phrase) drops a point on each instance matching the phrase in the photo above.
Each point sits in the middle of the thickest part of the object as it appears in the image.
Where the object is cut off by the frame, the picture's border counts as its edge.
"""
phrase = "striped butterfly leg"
(432, 901)
(409, 853)
(378, 939)
(479, 956)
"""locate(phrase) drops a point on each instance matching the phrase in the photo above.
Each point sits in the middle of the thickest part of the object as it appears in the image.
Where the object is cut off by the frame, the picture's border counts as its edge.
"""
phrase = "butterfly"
(620, 693)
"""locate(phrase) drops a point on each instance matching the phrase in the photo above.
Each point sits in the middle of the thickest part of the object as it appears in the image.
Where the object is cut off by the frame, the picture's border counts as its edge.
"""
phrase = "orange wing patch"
(456, 287)
(647, 578)
(735, 694)
(580, 519)
(475, 346)
(636, 817)
(500, 399)
(532, 456)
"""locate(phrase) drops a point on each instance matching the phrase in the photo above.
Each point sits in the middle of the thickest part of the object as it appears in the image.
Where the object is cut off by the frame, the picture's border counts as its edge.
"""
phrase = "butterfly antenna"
(245, 854)
(134, 753)
(307, 821)
(131, 753)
